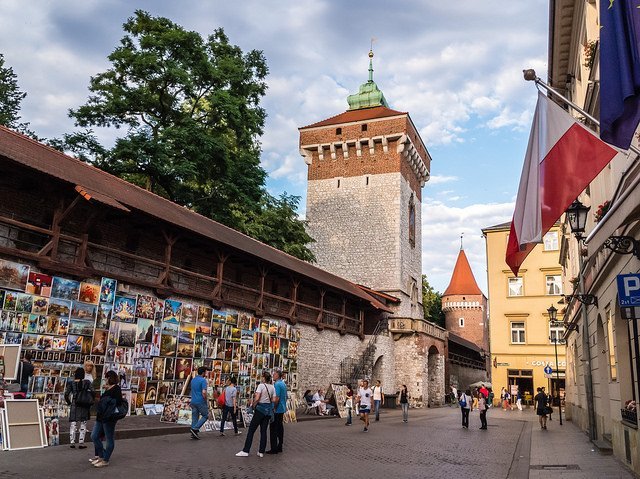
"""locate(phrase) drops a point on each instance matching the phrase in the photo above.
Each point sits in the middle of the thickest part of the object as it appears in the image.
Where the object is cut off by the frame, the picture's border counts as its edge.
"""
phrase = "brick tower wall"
(473, 308)
(358, 208)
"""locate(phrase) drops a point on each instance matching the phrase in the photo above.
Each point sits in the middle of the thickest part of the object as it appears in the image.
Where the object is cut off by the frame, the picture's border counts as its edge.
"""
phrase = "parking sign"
(628, 290)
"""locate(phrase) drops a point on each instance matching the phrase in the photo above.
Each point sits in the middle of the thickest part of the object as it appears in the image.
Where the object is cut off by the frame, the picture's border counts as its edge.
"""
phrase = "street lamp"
(577, 218)
(553, 314)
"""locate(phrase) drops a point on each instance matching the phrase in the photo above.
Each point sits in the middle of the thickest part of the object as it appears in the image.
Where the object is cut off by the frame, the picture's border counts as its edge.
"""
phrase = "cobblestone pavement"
(431, 445)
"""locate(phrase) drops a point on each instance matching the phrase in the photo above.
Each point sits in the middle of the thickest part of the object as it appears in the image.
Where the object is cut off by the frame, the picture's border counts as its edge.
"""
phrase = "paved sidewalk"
(560, 451)
(432, 445)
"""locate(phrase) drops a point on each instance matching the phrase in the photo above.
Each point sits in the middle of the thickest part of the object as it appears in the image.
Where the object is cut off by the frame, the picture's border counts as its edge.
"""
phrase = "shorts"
(365, 410)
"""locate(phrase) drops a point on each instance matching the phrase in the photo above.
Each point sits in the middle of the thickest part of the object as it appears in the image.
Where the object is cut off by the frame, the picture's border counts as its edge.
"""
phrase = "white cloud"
(442, 225)
(439, 179)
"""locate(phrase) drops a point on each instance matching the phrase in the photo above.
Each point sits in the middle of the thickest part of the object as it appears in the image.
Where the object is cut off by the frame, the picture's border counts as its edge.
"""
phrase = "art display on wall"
(154, 345)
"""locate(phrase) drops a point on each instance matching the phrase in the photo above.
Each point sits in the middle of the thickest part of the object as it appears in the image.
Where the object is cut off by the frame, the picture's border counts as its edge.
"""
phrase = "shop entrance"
(521, 379)
(557, 388)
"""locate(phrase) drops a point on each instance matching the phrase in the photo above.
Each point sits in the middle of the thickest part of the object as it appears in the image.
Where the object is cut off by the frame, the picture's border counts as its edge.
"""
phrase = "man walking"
(276, 429)
(378, 398)
(230, 405)
(199, 407)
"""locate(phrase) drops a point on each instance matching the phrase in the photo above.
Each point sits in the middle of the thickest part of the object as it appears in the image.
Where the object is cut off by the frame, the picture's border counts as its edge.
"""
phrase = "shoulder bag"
(84, 397)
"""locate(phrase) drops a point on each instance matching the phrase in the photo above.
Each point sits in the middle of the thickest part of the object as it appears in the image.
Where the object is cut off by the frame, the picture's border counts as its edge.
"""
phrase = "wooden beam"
(260, 303)
(319, 324)
(217, 290)
(165, 276)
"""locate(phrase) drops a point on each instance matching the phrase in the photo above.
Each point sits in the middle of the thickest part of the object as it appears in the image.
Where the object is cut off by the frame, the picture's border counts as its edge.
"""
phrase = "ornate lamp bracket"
(588, 299)
(623, 245)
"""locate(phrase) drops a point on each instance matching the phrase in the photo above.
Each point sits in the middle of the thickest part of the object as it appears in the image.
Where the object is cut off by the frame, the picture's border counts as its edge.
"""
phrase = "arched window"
(412, 222)
(461, 322)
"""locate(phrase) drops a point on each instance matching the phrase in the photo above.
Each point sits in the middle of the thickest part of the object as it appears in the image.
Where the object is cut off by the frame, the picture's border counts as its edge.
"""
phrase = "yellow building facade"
(521, 337)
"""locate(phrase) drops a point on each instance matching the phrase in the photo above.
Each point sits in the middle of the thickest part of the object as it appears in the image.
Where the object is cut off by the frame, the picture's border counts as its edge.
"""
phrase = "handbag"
(84, 397)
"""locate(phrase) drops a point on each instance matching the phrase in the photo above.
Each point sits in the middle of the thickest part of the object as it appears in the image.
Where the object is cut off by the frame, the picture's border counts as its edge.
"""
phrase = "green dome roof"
(369, 95)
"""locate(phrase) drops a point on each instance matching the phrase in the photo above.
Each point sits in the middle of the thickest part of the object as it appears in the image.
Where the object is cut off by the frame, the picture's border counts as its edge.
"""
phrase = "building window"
(461, 322)
(613, 370)
(366, 181)
(363, 127)
(412, 222)
(517, 333)
(413, 291)
(338, 183)
(516, 287)
(556, 331)
(550, 241)
(554, 284)
(338, 131)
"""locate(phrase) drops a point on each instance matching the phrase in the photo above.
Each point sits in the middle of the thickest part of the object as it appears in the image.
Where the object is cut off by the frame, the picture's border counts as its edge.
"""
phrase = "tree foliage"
(10, 100)
(432, 303)
(191, 109)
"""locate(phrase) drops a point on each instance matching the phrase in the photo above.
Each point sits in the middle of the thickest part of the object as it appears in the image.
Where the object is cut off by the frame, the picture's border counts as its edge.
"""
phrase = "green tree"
(10, 99)
(432, 303)
(191, 109)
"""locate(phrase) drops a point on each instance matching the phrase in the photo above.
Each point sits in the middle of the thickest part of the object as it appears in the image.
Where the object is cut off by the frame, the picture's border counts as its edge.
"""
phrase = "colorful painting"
(172, 310)
(144, 330)
(89, 293)
(104, 315)
(59, 307)
(124, 309)
(108, 290)
(83, 311)
(13, 275)
(204, 314)
(24, 303)
(146, 307)
(10, 300)
(39, 284)
(65, 288)
(40, 305)
(127, 335)
(189, 313)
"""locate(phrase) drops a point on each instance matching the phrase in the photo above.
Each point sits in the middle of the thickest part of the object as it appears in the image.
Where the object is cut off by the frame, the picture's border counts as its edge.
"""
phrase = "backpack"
(84, 396)
(222, 402)
(463, 400)
(110, 410)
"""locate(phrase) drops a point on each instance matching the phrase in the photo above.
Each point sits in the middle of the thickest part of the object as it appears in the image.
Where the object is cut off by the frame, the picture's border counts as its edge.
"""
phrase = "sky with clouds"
(456, 67)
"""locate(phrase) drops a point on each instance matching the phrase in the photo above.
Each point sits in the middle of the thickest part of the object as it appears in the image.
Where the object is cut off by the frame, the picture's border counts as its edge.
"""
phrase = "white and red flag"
(563, 157)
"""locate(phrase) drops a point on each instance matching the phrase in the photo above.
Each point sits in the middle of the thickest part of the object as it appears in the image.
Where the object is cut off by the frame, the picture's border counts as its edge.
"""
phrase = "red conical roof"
(462, 281)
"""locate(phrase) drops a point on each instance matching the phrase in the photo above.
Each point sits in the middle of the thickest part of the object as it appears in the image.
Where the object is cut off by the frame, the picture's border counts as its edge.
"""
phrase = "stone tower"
(465, 306)
(366, 170)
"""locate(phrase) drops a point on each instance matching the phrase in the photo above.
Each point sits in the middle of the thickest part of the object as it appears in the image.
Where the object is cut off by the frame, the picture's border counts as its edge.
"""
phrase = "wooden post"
(168, 249)
(217, 290)
(294, 304)
(319, 324)
(344, 312)
(260, 303)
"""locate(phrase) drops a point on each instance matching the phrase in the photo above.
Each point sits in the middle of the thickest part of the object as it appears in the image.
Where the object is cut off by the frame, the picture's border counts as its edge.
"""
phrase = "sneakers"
(94, 459)
(242, 454)
(366, 429)
(194, 434)
(260, 454)
(72, 446)
(100, 463)
(238, 433)
(221, 434)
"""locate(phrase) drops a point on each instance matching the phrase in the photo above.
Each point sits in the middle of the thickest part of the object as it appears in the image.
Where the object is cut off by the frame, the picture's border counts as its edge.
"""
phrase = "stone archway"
(435, 375)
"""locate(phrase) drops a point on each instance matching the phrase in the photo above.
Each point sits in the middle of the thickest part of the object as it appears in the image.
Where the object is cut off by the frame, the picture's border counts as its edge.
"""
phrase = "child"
(78, 390)
(349, 404)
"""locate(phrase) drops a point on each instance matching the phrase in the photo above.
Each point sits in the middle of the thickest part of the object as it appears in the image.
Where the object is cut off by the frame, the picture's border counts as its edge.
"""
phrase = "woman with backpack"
(79, 395)
(110, 410)
(465, 402)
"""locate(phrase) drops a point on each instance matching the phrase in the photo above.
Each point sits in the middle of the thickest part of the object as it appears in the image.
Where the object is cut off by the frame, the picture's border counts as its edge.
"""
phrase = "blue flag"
(619, 71)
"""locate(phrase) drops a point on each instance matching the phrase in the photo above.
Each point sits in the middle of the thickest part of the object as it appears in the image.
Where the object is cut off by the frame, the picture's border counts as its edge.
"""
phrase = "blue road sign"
(628, 290)
(547, 369)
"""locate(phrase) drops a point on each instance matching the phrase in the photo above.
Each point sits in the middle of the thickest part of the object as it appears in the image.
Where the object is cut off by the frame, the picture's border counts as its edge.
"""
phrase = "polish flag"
(563, 157)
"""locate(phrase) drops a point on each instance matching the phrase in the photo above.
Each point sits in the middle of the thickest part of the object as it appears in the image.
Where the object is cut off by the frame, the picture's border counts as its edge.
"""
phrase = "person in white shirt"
(262, 405)
(466, 402)
(378, 398)
(454, 396)
(365, 395)
(319, 402)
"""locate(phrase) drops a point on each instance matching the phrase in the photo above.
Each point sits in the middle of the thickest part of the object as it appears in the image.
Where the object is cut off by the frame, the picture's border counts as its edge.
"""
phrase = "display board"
(154, 345)
(23, 425)
(11, 358)
(337, 394)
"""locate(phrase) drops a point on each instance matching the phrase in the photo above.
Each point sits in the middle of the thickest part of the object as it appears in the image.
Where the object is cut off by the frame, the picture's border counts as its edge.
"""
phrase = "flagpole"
(530, 75)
